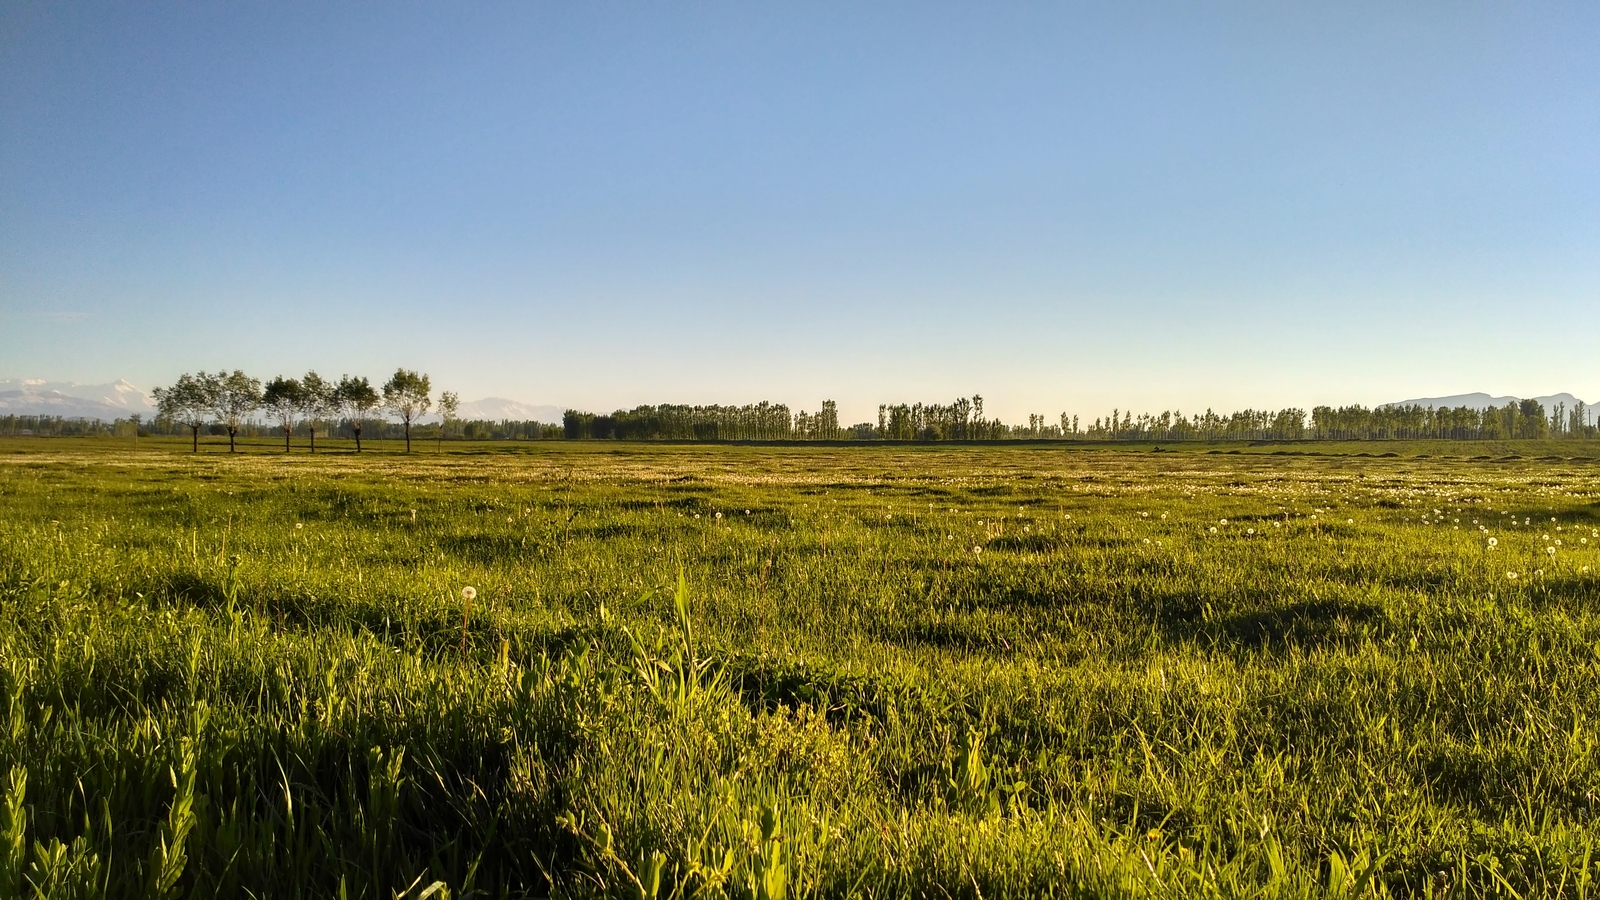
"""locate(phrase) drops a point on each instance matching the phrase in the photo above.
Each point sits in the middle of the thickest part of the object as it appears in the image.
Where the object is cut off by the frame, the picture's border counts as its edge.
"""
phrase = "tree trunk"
(196, 430)
(408, 435)
(286, 439)
(357, 429)
(313, 429)
(231, 432)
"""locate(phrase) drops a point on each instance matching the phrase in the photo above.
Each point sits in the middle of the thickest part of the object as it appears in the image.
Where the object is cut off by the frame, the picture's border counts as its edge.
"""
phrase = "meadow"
(1330, 670)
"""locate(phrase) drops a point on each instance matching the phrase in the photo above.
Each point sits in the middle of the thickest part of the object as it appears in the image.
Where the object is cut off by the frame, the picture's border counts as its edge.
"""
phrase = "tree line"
(1518, 419)
(762, 421)
(963, 420)
(234, 403)
(233, 399)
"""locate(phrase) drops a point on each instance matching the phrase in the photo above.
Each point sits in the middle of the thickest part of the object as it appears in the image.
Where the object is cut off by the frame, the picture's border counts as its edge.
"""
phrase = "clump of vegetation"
(759, 672)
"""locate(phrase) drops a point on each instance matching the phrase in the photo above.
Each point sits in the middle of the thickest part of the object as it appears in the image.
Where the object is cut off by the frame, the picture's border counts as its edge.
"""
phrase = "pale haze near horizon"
(1062, 207)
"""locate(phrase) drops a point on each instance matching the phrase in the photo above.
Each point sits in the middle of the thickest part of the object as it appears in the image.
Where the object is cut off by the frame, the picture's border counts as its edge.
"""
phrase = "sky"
(1060, 206)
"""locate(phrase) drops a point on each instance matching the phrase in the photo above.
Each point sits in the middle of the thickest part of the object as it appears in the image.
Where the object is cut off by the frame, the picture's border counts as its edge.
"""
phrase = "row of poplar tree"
(229, 402)
(964, 420)
(234, 399)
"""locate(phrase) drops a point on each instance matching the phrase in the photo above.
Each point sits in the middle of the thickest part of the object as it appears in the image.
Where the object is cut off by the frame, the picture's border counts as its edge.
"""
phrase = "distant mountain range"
(119, 400)
(1484, 401)
(37, 397)
(498, 408)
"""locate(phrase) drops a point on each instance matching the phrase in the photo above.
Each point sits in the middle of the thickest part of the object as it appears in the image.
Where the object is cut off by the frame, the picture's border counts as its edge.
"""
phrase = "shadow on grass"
(1305, 624)
(490, 548)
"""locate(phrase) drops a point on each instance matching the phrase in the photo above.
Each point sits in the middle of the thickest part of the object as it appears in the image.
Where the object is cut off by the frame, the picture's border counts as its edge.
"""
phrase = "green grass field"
(887, 671)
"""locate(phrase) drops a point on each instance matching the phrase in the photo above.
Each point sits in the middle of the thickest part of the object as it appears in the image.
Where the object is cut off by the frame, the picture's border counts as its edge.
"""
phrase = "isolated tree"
(283, 398)
(406, 395)
(188, 403)
(234, 399)
(355, 400)
(449, 406)
(318, 401)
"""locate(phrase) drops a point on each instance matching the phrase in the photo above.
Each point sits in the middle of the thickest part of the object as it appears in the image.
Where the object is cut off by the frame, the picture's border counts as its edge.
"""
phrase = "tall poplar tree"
(283, 398)
(234, 399)
(318, 400)
(188, 403)
(449, 406)
(355, 400)
(406, 395)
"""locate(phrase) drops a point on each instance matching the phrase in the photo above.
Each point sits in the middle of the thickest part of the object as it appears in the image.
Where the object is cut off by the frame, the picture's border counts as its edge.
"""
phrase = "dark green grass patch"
(890, 671)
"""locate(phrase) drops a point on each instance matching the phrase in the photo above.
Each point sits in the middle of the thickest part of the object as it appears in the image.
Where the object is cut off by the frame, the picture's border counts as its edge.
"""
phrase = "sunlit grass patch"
(888, 671)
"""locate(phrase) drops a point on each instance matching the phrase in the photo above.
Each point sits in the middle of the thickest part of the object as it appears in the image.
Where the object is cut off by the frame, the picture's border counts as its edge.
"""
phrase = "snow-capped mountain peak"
(38, 397)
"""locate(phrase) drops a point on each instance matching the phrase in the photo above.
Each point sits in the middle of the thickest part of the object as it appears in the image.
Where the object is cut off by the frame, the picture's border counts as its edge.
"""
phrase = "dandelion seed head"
(469, 593)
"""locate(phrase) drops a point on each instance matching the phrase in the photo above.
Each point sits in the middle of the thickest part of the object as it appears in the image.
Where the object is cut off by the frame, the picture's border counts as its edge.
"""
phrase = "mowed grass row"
(886, 672)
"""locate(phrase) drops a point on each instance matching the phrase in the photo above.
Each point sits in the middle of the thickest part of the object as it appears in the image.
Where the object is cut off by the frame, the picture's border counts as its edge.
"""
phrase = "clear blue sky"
(1060, 206)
